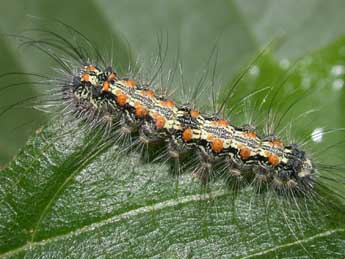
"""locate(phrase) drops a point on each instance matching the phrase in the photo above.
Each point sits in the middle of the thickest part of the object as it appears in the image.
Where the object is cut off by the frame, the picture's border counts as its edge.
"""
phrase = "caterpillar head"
(301, 166)
(307, 169)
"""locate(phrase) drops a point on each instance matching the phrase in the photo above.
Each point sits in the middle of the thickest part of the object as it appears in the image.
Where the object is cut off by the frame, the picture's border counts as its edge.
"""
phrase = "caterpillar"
(135, 114)
(157, 118)
(131, 109)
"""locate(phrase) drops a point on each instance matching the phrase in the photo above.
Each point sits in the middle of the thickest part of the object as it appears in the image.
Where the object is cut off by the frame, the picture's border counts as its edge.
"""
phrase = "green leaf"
(68, 195)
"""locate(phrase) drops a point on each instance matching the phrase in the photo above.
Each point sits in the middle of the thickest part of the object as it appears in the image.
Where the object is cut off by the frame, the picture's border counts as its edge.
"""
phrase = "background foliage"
(61, 198)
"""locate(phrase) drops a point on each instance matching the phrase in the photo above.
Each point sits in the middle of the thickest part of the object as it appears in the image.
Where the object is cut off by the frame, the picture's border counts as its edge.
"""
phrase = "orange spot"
(244, 152)
(130, 82)
(194, 113)
(112, 76)
(148, 93)
(168, 103)
(140, 111)
(85, 77)
(187, 134)
(210, 137)
(273, 159)
(222, 123)
(121, 98)
(217, 145)
(90, 68)
(159, 121)
(277, 143)
(106, 86)
(250, 134)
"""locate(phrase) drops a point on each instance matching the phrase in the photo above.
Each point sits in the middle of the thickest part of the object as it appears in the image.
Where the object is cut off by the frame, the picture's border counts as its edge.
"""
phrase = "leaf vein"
(116, 218)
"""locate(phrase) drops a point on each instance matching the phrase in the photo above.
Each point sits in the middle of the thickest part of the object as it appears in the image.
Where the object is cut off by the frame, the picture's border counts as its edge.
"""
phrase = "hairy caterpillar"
(131, 112)
(157, 118)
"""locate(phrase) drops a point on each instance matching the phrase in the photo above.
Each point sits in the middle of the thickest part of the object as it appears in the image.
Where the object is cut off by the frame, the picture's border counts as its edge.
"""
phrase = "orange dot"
(140, 111)
(273, 159)
(106, 86)
(85, 77)
(90, 68)
(130, 82)
(217, 145)
(223, 123)
(277, 143)
(159, 121)
(121, 98)
(244, 152)
(168, 103)
(194, 113)
(250, 134)
(210, 137)
(148, 93)
(187, 134)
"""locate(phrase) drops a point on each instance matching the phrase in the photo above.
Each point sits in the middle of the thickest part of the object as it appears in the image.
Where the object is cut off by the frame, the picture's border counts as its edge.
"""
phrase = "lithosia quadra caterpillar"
(130, 108)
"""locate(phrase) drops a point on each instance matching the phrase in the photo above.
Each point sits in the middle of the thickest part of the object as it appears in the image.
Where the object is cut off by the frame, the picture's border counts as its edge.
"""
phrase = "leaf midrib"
(160, 206)
(128, 214)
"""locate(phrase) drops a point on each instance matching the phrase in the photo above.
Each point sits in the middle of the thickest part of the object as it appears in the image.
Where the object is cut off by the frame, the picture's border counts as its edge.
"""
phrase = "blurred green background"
(52, 198)
(237, 28)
